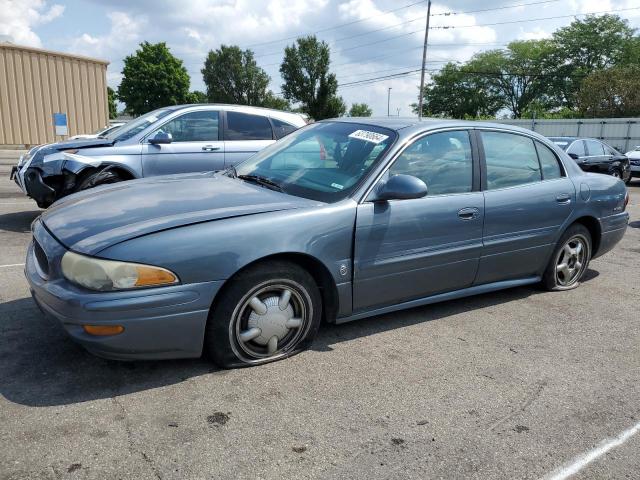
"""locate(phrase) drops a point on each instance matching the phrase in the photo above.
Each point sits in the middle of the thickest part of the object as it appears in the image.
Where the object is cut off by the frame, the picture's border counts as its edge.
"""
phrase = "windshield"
(136, 126)
(324, 161)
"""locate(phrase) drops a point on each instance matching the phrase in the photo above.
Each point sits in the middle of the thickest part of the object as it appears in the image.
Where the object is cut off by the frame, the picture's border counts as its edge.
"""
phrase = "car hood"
(90, 221)
(80, 143)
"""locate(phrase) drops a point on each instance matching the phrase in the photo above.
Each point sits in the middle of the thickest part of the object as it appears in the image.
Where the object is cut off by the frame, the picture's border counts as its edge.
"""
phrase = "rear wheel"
(570, 259)
(267, 313)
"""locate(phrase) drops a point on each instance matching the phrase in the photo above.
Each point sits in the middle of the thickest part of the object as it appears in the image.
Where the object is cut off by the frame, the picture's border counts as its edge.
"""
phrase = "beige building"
(35, 84)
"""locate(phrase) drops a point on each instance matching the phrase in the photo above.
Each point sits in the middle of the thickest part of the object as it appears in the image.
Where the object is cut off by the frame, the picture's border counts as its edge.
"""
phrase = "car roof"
(413, 124)
(271, 112)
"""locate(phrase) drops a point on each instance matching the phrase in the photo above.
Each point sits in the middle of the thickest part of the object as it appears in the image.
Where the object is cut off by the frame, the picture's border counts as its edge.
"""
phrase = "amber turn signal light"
(103, 330)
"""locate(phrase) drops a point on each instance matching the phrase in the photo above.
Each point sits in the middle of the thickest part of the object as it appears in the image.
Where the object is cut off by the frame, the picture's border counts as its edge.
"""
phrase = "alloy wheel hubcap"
(270, 321)
(571, 261)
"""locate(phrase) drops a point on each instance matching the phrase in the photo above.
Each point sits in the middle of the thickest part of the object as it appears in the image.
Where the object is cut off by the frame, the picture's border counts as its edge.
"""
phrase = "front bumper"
(159, 323)
(35, 187)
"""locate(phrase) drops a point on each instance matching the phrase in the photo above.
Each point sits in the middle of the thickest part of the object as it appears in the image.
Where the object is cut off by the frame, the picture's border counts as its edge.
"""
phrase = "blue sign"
(60, 123)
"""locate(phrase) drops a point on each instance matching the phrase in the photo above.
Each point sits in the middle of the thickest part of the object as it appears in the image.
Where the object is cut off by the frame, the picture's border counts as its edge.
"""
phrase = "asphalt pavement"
(508, 385)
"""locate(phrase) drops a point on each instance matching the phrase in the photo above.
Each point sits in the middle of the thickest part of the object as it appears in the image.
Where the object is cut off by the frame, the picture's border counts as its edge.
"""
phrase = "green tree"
(305, 71)
(614, 92)
(273, 101)
(233, 76)
(518, 76)
(455, 93)
(111, 102)
(360, 110)
(585, 46)
(153, 78)
(197, 97)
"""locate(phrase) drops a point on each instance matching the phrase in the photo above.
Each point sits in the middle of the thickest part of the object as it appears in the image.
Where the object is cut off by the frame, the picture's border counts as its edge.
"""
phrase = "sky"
(368, 38)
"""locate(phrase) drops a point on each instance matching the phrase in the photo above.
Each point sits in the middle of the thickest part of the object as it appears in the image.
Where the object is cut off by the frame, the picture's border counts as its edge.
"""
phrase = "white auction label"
(368, 136)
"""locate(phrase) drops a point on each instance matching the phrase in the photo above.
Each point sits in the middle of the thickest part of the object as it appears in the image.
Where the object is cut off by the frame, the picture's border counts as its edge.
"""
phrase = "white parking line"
(12, 265)
(583, 460)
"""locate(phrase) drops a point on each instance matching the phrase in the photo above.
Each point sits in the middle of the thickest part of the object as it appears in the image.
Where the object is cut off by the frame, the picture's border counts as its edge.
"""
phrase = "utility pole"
(424, 60)
(388, 101)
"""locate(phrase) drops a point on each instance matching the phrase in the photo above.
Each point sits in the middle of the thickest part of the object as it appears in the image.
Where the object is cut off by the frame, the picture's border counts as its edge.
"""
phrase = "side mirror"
(574, 156)
(160, 138)
(401, 187)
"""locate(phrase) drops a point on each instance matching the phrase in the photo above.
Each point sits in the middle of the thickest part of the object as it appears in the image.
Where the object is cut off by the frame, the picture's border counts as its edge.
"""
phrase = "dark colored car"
(595, 156)
(390, 214)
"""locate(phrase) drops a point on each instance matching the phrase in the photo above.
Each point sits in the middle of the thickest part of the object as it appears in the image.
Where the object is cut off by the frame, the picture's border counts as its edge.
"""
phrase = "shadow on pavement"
(41, 366)
(19, 221)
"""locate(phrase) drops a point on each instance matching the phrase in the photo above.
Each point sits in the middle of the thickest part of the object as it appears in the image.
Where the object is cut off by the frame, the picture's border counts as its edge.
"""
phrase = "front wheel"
(266, 313)
(570, 259)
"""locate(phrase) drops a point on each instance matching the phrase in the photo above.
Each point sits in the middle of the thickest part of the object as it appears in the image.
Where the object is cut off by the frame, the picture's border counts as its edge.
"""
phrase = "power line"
(446, 27)
(446, 14)
(334, 27)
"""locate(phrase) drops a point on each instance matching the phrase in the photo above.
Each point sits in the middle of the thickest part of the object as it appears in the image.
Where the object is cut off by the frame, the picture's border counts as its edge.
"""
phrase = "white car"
(100, 133)
(634, 161)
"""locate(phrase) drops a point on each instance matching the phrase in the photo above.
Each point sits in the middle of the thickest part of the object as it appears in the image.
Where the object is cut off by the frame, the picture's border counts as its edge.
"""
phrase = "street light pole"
(388, 101)
(424, 60)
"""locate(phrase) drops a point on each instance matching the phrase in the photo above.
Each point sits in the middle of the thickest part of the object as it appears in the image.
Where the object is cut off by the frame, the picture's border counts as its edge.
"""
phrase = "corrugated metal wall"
(35, 84)
(620, 133)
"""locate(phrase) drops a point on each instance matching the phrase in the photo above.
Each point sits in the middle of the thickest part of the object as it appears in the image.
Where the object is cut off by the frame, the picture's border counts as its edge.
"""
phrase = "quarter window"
(282, 129)
(511, 160)
(548, 162)
(442, 161)
(242, 126)
(201, 126)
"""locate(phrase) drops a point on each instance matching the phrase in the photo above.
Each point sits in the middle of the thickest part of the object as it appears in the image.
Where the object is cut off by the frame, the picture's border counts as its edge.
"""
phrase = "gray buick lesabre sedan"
(340, 220)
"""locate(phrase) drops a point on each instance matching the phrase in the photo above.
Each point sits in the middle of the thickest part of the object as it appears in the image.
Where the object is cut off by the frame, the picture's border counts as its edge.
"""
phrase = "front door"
(408, 249)
(528, 199)
(195, 146)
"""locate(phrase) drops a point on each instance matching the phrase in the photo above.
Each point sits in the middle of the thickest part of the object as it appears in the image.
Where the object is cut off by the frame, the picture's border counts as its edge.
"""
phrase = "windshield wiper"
(263, 181)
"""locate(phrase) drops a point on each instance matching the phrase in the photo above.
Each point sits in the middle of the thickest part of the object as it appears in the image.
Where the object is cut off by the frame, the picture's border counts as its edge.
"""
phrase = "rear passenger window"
(511, 160)
(595, 148)
(577, 147)
(243, 126)
(548, 162)
(441, 160)
(282, 129)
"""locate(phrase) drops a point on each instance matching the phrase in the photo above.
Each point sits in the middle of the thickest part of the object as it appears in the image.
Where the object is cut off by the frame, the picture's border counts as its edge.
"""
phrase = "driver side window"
(200, 126)
(441, 160)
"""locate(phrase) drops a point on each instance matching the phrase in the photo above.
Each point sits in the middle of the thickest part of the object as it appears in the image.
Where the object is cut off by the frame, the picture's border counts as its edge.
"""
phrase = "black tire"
(101, 177)
(232, 315)
(554, 278)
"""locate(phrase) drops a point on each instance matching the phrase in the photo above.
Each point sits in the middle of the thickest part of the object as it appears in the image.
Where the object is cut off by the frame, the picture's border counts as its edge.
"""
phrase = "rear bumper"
(159, 323)
(614, 228)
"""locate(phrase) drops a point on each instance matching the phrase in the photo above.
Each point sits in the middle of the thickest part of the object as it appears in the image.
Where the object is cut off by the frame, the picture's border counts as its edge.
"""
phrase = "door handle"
(563, 198)
(210, 148)
(468, 213)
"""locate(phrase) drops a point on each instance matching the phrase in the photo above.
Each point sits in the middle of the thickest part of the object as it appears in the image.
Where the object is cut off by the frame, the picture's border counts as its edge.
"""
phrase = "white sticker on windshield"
(152, 119)
(368, 136)
(337, 185)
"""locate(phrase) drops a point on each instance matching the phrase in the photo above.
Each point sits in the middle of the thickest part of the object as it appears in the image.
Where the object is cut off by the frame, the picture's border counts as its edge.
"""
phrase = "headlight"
(107, 275)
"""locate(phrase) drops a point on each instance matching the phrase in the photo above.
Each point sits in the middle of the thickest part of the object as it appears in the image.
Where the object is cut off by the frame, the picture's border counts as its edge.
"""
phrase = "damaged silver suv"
(176, 139)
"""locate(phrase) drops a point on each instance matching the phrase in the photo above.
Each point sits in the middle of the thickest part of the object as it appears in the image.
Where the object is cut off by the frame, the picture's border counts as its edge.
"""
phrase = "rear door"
(244, 135)
(597, 158)
(528, 199)
(196, 145)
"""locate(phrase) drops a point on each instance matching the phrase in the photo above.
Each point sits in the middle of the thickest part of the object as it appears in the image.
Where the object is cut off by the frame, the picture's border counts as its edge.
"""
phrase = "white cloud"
(18, 18)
